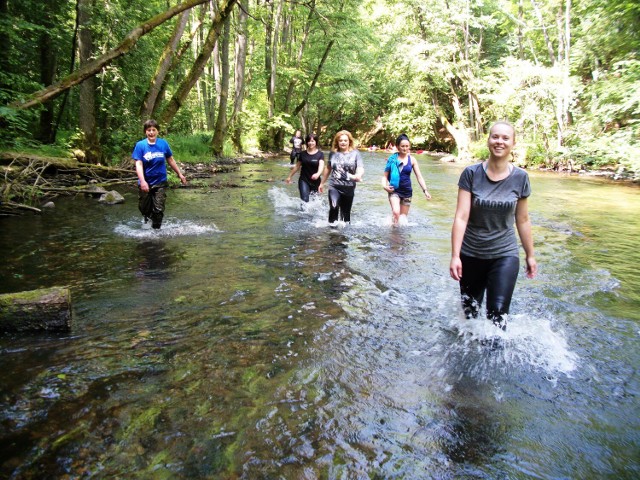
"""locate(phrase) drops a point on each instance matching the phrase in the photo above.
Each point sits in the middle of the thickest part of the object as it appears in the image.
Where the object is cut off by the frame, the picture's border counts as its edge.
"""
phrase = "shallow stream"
(247, 339)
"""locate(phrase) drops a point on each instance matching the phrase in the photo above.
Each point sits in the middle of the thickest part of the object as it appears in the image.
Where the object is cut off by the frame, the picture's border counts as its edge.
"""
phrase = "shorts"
(403, 200)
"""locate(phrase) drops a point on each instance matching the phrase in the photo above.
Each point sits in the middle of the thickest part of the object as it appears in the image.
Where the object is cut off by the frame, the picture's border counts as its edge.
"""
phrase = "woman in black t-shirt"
(311, 164)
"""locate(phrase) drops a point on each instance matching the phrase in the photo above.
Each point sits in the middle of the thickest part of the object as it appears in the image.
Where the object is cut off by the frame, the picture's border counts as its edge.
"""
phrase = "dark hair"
(310, 136)
(150, 123)
(401, 137)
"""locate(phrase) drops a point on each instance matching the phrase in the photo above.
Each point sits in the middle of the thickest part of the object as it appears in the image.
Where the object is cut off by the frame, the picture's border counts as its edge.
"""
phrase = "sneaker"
(501, 323)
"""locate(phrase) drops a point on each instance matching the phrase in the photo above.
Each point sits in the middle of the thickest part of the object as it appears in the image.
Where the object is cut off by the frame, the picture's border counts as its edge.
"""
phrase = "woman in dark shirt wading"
(492, 196)
(311, 164)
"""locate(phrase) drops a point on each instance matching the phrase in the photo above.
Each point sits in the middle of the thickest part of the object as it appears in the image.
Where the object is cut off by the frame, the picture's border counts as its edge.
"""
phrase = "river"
(247, 339)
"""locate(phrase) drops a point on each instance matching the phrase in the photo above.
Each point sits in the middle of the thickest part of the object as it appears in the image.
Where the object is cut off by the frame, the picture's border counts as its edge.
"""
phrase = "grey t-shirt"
(342, 164)
(490, 231)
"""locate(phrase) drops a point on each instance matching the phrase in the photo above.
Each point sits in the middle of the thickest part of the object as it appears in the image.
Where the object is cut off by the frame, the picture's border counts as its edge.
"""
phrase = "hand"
(183, 179)
(144, 186)
(321, 188)
(427, 194)
(388, 188)
(315, 176)
(287, 181)
(455, 268)
(532, 267)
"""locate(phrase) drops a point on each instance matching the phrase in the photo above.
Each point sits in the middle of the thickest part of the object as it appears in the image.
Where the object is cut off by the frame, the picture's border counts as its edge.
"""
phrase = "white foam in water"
(526, 341)
(287, 204)
(170, 228)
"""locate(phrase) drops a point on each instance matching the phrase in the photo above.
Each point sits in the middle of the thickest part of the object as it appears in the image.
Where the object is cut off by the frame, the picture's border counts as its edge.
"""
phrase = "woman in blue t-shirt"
(151, 156)
(401, 193)
(492, 196)
(311, 164)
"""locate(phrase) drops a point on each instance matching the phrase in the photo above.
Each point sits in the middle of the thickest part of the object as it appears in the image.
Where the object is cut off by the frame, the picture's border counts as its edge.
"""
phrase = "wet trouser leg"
(305, 190)
(339, 206)
(151, 204)
(497, 276)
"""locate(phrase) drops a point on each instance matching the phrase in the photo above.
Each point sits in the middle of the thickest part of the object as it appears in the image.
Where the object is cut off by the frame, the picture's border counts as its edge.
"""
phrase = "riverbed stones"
(111, 198)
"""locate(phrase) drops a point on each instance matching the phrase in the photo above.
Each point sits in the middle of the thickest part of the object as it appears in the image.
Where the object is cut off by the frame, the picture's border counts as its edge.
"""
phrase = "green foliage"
(408, 65)
(195, 148)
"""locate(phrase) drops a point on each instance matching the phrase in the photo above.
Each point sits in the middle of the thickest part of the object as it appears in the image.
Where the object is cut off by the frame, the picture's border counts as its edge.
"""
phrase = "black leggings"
(497, 276)
(306, 188)
(339, 206)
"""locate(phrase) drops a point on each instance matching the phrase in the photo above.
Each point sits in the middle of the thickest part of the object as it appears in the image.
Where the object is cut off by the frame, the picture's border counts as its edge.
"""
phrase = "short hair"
(313, 136)
(150, 123)
(401, 137)
(334, 145)
(508, 124)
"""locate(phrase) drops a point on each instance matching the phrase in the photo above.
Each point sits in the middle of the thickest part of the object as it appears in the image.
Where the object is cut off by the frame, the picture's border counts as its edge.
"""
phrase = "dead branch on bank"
(30, 180)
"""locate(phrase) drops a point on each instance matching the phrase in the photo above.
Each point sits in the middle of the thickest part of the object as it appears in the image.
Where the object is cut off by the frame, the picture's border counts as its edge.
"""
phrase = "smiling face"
(502, 139)
(311, 143)
(152, 134)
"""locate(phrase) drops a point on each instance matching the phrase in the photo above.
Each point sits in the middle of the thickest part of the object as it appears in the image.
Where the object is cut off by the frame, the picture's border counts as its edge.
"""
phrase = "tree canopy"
(247, 73)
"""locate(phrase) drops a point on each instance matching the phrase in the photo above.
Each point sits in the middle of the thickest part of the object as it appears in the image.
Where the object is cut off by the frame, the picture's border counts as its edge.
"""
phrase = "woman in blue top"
(492, 196)
(311, 164)
(151, 156)
(400, 195)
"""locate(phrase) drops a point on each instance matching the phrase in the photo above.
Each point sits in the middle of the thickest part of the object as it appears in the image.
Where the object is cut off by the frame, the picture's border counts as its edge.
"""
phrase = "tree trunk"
(239, 79)
(150, 99)
(47, 76)
(547, 40)
(198, 67)
(301, 48)
(45, 309)
(315, 79)
(87, 112)
(220, 131)
(96, 65)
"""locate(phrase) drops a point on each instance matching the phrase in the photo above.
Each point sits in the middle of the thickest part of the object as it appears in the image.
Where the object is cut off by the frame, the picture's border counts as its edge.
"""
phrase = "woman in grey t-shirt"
(492, 197)
(343, 170)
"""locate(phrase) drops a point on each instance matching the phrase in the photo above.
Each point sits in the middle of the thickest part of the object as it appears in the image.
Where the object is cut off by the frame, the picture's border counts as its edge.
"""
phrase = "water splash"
(170, 228)
(528, 342)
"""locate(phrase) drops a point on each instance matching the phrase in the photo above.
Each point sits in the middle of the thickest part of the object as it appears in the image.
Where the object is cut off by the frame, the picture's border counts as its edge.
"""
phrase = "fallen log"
(46, 309)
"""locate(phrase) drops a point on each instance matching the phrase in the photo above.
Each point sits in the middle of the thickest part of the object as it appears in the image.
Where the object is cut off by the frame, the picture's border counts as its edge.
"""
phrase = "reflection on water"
(247, 339)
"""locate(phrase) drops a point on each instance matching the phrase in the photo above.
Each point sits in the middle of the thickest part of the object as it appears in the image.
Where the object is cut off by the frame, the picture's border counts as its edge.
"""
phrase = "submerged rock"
(111, 198)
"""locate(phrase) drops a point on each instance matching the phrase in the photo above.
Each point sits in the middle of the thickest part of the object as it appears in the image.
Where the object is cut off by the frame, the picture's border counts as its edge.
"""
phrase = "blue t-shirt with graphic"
(153, 158)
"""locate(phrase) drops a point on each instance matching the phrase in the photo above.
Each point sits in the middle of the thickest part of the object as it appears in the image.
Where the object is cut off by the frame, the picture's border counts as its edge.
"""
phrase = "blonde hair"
(334, 145)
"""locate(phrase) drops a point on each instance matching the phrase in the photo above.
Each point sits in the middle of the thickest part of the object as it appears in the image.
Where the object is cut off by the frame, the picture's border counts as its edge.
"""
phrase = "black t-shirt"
(310, 165)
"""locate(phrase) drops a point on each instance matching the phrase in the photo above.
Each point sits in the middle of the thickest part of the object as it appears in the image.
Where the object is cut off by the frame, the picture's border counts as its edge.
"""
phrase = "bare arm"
(295, 168)
(423, 186)
(357, 177)
(523, 224)
(385, 183)
(317, 175)
(325, 175)
(144, 186)
(174, 166)
(460, 221)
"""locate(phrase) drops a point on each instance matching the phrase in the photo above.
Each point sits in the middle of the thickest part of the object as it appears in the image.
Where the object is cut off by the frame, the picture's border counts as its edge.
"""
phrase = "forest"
(228, 77)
